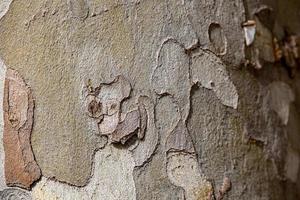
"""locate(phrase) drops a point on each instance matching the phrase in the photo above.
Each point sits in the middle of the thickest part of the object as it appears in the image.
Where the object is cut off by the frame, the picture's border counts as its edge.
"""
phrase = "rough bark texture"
(150, 99)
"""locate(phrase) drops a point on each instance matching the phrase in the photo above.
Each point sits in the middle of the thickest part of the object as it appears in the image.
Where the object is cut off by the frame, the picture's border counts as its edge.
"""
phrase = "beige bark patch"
(208, 70)
(79, 8)
(20, 167)
(183, 171)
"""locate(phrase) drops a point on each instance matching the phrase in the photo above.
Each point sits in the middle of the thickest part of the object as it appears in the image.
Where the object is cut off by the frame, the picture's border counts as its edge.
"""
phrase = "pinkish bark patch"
(21, 169)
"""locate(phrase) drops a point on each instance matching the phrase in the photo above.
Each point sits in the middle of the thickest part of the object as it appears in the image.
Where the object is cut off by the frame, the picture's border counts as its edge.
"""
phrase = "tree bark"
(149, 99)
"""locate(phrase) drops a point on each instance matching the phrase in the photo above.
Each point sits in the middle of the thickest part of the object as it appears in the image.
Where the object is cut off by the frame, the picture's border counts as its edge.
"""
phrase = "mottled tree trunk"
(149, 99)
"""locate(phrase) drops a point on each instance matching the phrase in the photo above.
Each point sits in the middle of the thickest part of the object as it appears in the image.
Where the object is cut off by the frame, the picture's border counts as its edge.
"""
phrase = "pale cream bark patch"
(2, 157)
(4, 6)
(112, 179)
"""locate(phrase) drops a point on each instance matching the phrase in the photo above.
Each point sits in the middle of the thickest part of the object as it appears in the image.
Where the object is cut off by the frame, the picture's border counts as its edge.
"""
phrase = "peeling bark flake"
(143, 121)
(146, 146)
(127, 128)
(226, 186)
(21, 170)
(250, 31)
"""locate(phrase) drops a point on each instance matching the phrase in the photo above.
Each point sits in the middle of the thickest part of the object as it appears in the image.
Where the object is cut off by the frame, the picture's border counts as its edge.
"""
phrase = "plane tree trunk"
(150, 99)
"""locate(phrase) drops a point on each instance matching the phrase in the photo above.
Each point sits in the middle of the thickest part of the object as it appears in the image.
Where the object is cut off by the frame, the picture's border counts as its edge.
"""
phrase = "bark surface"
(149, 99)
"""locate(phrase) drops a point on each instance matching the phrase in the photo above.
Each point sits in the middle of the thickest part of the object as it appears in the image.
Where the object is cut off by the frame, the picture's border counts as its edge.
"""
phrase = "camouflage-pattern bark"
(174, 99)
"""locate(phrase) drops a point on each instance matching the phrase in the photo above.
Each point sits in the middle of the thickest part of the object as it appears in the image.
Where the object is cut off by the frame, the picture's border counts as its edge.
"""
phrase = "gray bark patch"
(14, 194)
